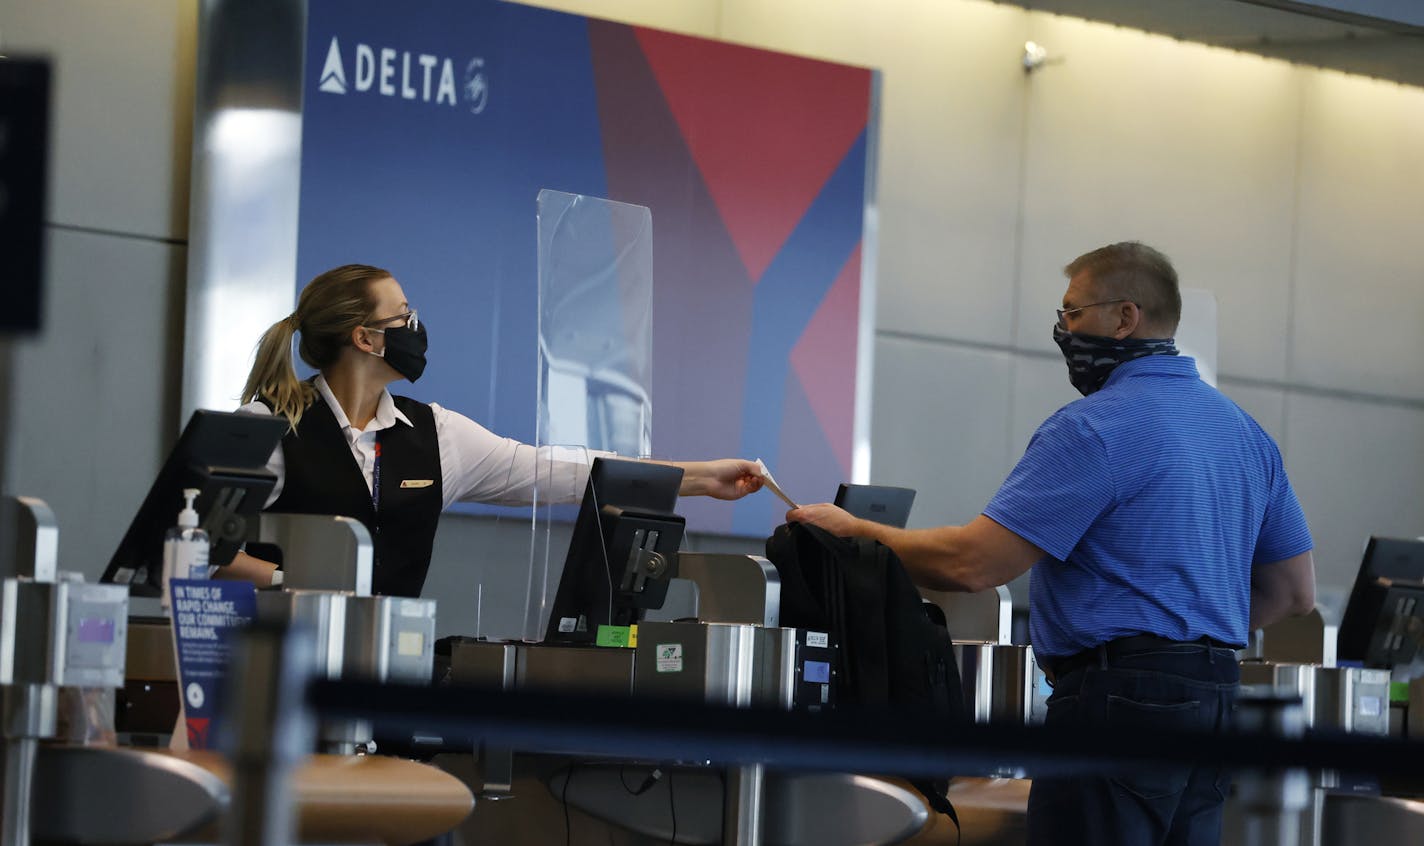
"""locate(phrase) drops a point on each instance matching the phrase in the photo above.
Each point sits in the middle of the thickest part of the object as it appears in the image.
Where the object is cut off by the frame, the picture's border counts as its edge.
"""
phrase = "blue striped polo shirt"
(1152, 498)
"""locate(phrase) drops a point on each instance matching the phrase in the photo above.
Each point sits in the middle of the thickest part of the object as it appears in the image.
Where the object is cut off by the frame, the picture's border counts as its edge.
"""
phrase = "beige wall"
(1293, 194)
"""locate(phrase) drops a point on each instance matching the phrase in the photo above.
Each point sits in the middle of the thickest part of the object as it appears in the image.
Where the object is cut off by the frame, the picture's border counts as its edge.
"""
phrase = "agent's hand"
(244, 567)
(726, 478)
(829, 517)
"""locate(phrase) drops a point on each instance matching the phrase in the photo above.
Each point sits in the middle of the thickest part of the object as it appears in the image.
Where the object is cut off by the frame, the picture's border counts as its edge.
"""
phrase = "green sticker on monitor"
(617, 636)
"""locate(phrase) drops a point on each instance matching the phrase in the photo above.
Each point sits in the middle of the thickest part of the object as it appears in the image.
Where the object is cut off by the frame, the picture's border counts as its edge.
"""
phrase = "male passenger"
(1161, 528)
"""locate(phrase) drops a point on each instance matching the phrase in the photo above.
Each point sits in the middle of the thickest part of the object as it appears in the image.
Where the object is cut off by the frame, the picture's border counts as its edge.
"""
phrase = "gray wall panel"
(1359, 470)
(939, 427)
(1360, 288)
(97, 391)
(123, 114)
(1188, 148)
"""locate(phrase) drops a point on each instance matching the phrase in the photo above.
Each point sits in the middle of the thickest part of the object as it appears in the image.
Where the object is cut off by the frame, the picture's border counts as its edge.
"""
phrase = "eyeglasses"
(1064, 312)
(412, 321)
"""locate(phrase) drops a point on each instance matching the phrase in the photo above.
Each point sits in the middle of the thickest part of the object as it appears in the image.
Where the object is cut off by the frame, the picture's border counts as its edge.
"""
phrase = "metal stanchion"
(743, 806)
(29, 713)
(269, 729)
(1272, 798)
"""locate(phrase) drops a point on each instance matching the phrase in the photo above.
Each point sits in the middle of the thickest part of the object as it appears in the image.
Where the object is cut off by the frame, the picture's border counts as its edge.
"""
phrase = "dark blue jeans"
(1185, 687)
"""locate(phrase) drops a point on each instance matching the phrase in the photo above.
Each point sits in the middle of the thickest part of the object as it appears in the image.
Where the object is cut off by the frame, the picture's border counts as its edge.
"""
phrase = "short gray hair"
(1134, 271)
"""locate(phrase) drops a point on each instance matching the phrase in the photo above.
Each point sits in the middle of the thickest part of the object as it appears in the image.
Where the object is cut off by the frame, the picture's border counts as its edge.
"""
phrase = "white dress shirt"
(476, 465)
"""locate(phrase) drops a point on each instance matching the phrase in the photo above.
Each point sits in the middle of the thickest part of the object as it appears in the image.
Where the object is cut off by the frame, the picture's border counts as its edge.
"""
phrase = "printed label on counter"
(669, 657)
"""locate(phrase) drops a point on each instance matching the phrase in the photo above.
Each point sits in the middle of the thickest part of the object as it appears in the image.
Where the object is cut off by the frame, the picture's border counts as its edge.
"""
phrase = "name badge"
(417, 483)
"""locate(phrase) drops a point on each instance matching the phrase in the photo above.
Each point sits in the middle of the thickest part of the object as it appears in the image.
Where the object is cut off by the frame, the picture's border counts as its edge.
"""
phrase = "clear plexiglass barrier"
(595, 356)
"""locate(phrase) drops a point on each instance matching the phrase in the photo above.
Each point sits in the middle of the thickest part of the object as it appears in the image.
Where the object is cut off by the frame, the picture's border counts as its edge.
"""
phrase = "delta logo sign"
(419, 77)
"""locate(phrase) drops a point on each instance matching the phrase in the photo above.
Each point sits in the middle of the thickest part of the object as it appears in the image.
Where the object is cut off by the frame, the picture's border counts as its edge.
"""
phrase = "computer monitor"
(1384, 619)
(623, 552)
(222, 454)
(877, 503)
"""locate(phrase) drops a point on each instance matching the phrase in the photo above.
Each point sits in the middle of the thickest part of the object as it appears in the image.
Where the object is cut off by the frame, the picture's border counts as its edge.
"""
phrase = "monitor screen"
(222, 454)
(623, 551)
(877, 503)
(1384, 618)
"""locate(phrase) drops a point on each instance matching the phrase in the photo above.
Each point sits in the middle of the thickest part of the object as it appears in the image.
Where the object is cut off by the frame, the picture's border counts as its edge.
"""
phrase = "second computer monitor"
(877, 503)
(1383, 624)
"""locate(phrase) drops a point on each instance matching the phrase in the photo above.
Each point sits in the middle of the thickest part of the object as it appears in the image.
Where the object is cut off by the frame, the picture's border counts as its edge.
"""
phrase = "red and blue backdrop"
(429, 129)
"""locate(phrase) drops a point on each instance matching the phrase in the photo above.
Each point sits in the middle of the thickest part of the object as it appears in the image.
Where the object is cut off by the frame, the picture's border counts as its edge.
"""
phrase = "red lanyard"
(376, 478)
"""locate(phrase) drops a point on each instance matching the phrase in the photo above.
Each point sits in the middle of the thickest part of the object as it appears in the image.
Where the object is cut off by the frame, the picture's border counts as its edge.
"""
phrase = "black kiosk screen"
(623, 551)
(222, 454)
(1383, 624)
(877, 503)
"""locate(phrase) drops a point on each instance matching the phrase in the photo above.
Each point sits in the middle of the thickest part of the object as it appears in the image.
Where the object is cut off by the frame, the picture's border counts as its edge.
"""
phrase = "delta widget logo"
(418, 77)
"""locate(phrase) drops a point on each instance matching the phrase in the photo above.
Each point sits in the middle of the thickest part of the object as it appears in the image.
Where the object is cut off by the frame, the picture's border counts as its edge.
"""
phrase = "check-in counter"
(1348, 699)
(747, 661)
(62, 638)
(367, 638)
(621, 802)
(1352, 700)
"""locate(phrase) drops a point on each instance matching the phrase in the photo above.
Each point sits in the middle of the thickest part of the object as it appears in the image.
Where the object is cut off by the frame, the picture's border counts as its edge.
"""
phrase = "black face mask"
(405, 350)
(1092, 358)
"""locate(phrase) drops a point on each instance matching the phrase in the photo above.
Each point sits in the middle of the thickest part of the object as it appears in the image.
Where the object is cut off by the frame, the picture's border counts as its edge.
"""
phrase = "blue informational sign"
(205, 616)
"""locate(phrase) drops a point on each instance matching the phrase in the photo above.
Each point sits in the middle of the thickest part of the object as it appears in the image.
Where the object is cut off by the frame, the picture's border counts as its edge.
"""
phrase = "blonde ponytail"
(273, 377)
(330, 307)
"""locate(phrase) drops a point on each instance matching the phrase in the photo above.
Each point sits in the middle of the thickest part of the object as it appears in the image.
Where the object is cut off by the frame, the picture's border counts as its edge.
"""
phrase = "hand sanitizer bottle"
(185, 547)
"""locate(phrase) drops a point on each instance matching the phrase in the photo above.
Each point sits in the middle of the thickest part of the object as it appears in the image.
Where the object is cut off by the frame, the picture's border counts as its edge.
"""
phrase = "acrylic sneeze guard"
(595, 365)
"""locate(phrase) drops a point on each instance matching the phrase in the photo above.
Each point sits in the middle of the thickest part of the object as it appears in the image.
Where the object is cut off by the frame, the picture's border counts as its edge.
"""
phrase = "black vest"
(322, 477)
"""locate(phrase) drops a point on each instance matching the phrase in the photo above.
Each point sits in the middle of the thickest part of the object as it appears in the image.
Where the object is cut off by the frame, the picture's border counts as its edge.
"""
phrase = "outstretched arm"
(975, 557)
(726, 478)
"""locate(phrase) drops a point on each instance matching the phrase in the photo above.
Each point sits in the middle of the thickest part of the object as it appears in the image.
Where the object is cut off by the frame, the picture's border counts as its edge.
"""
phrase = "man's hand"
(831, 518)
(725, 478)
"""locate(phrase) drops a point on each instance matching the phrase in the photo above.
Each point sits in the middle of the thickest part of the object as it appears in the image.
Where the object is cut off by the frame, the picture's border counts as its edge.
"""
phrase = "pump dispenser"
(188, 517)
(185, 547)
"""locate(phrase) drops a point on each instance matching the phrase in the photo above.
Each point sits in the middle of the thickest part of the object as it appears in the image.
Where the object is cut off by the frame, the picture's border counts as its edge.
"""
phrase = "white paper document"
(771, 483)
